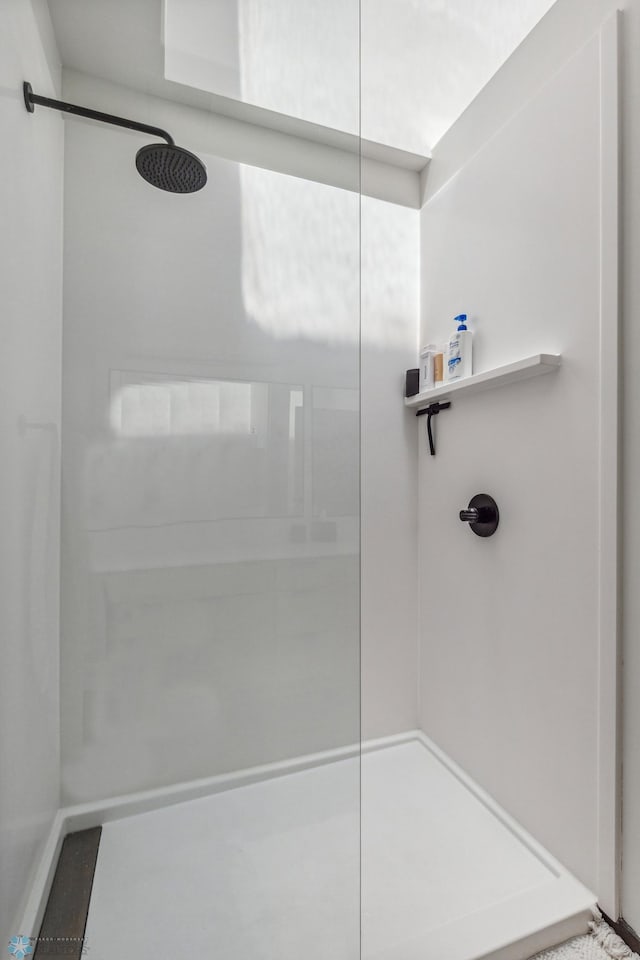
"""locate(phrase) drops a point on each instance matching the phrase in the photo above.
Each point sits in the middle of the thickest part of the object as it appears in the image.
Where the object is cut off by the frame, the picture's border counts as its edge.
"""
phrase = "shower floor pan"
(270, 869)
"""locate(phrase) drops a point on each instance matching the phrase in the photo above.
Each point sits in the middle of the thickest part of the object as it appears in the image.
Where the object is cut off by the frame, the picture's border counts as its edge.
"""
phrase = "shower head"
(163, 165)
(172, 168)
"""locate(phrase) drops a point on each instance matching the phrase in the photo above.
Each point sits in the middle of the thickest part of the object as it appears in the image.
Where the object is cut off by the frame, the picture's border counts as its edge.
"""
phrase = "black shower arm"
(31, 98)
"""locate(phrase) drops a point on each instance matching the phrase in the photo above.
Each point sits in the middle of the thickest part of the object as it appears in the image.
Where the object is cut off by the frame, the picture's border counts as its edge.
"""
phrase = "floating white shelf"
(511, 372)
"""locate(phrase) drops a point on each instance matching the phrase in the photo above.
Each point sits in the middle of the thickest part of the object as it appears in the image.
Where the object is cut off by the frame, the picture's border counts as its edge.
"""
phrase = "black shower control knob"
(482, 515)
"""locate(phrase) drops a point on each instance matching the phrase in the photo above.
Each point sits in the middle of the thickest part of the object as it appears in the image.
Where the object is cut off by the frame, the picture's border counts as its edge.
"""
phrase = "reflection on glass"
(163, 407)
(193, 450)
(336, 432)
(300, 264)
(297, 57)
(210, 571)
(422, 62)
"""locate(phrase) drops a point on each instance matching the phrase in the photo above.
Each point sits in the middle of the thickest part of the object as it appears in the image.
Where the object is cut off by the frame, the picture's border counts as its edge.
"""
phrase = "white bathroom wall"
(568, 24)
(510, 625)
(389, 469)
(630, 521)
(211, 470)
(210, 499)
(30, 280)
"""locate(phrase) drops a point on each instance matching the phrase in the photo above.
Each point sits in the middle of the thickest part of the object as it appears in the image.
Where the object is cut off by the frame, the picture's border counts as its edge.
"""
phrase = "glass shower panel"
(210, 603)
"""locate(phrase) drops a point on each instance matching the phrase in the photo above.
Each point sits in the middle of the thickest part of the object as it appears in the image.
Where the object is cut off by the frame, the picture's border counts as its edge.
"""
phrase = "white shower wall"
(30, 280)
(211, 560)
(210, 599)
(569, 24)
(509, 669)
(389, 470)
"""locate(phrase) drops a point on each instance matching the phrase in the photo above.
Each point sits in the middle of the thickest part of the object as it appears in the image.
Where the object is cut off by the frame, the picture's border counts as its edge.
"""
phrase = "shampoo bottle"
(459, 351)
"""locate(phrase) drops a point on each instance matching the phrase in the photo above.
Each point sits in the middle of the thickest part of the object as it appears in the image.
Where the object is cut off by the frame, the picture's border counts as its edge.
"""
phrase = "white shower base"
(270, 870)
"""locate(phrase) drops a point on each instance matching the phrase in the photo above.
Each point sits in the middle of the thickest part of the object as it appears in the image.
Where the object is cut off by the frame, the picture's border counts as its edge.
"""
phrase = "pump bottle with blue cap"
(459, 351)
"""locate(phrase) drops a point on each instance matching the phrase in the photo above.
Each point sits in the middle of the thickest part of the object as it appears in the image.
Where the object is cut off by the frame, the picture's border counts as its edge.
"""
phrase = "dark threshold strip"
(625, 932)
(65, 918)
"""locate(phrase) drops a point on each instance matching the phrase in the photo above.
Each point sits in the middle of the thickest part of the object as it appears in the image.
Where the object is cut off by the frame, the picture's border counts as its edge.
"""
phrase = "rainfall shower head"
(171, 168)
(163, 165)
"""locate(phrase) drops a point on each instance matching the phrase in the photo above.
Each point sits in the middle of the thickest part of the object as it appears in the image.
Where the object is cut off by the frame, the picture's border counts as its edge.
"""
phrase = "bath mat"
(601, 944)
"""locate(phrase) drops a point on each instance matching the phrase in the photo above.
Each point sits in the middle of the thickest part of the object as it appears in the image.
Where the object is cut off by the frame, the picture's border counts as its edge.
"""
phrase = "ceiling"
(405, 71)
